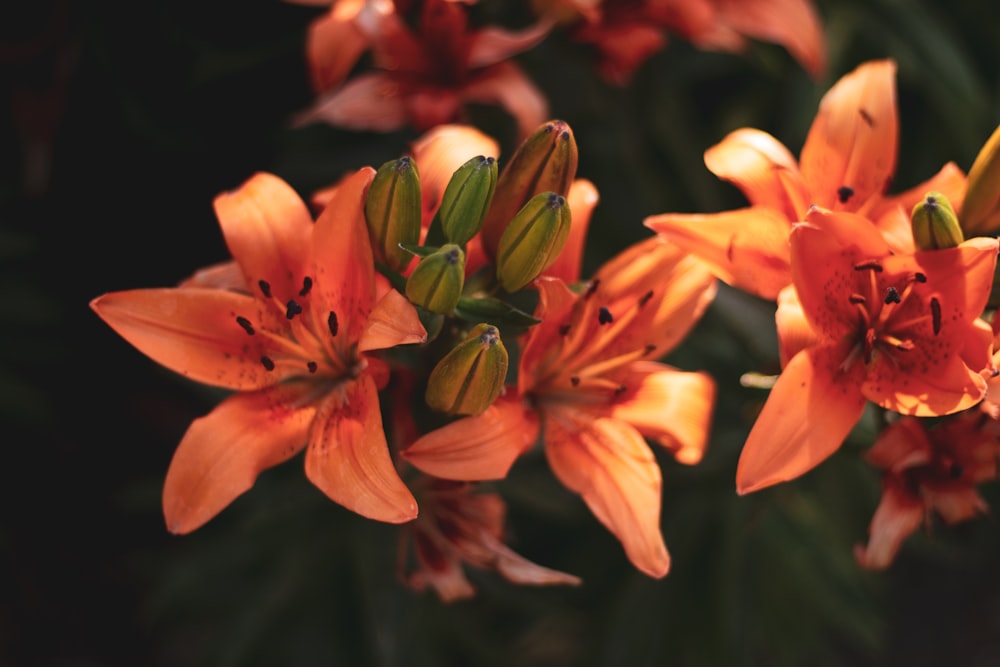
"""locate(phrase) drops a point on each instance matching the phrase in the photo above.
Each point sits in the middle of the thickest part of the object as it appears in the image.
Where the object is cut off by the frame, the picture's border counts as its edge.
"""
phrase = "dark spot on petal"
(648, 349)
(844, 193)
(331, 323)
(867, 117)
(620, 389)
(245, 323)
(575, 381)
(265, 288)
(312, 366)
(644, 299)
(267, 363)
(955, 471)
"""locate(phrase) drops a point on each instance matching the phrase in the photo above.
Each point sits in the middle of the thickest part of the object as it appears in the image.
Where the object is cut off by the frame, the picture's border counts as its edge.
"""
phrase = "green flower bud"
(393, 211)
(532, 240)
(470, 377)
(935, 225)
(545, 162)
(981, 206)
(467, 198)
(436, 283)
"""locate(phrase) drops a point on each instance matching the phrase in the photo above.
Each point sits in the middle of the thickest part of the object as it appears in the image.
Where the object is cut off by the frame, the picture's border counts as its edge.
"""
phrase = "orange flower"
(899, 330)
(428, 69)
(928, 470)
(290, 332)
(587, 383)
(847, 162)
(458, 526)
(627, 32)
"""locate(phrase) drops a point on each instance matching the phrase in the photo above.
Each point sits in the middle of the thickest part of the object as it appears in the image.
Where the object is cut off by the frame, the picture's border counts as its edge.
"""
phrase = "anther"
(648, 349)
(920, 277)
(564, 329)
(644, 299)
(245, 323)
(307, 284)
(292, 309)
(265, 288)
(267, 363)
(331, 323)
(575, 381)
(592, 288)
(312, 366)
(892, 296)
(870, 265)
(604, 316)
(844, 193)
(856, 298)
(936, 315)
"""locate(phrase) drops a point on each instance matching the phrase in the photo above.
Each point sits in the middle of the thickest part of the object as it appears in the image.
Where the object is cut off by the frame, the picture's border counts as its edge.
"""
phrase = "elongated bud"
(467, 198)
(393, 212)
(470, 377)
(981, 206)
(532, 240)
(935, 225)
(545, 162)
(436, 283)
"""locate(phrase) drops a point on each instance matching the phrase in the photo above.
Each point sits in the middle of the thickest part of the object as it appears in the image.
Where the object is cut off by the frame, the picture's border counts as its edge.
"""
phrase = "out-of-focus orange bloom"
(427, 68)
(288, 325)
(928, 470)
(457, 526)
(626, 32)
(847, 162)
(588, 384)
(902, 331)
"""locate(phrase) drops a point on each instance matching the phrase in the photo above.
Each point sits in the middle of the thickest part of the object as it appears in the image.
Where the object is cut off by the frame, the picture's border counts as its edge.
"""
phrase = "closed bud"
(467, 198)
(935, 225)
(436, 283)
(532, 240)
(545, 162)
(981, 205)
(393, 211)
(470, 377)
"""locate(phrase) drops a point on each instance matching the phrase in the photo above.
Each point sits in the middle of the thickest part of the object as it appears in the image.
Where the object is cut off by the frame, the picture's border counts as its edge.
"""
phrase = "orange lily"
(427, 73)
(928, 470)
(588, 384)
(458, 526)
(847, 162)
(627, 32)
(288, 325)
(902, 331)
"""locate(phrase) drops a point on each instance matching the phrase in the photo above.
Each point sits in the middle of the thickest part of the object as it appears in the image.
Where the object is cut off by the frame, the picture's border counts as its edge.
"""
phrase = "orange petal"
(670, 406)
(477, 448)
(341, 262)
(348, 457)
(492, 45)
(794, 331)
(954, 501)
(902, 444)
(609, 464)
(942, 387)
(899, 514)
(393, 321)
(195, 332)
(852, 141)
(949, 181)
(366, 102)
(543, 341)
(746, 248)
(224, 275)
(582, 199)
(752, 159)
(267, 228)
(335, 43)
(506, 85)
(793, 24)
(811, 409)
(516, 568)
(222, 453)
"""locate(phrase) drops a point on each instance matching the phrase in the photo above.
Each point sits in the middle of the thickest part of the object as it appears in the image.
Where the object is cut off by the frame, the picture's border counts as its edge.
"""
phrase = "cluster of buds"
(518, 219)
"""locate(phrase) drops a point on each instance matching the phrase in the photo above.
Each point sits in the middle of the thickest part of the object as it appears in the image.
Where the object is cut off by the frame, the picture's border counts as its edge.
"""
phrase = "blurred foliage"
(156, 107)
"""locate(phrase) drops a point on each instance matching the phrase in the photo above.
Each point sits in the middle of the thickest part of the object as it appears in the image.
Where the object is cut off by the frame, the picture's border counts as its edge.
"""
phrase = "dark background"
(122, 121)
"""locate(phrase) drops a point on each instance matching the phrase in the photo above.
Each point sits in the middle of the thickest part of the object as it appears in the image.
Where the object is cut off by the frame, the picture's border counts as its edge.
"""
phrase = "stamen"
(856, 299)
(844, 193)
(267, 362)
(312, 366)
(870, 265)
(936, 315)
(920, 277)
(575, 381)
(245, 323)
(592, 288)
(620, 389)
(307, 284)
(331, 323)
(892, 296)
(604, 316)
(265, 288)
(644, 299)
(292, 309)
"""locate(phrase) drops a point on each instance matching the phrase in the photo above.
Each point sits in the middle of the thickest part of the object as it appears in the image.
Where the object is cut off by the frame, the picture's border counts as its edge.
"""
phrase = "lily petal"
(746, 248)
(794, 331)
(943, 386)
(793, 24)
(222, 453)
(543, 342)
(335, 42)
(481, 447)
(266, 225)
(348, 457)
(609, 464)
(492, 45)
(506, 85)
(394, 321)
(898, 516)
(673, 407)
(519, 570)
(366, 102)
(812, 408)
(582, 199)
(195, 332)
(853, 140)
(224, 275)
